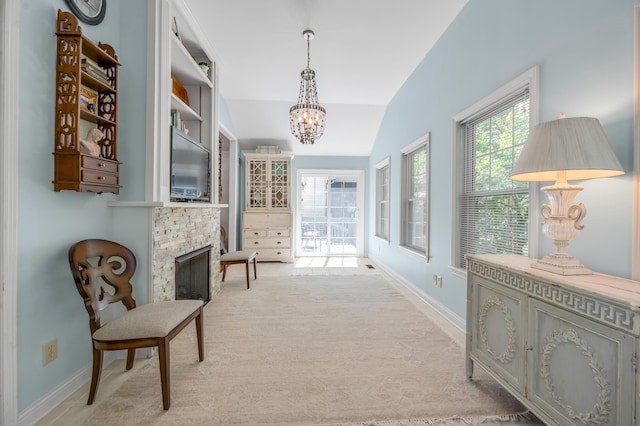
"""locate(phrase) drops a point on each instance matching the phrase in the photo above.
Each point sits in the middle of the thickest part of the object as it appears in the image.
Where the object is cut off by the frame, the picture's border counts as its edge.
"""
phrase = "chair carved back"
(223, 240)
(99, 263)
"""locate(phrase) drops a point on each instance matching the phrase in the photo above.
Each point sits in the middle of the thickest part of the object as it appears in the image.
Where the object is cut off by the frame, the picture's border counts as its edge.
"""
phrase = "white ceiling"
(363, 51)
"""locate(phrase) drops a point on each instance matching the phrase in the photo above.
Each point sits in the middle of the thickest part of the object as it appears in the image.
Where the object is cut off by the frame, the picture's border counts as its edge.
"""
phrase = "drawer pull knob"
(255, 242)
(279, 252)
(530, 348)
(279, 242)
(101, 178)
(102, 165)
(279, 233)
(255, 233)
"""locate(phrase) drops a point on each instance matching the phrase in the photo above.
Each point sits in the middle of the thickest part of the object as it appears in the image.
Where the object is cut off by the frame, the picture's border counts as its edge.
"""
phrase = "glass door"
(330, 213)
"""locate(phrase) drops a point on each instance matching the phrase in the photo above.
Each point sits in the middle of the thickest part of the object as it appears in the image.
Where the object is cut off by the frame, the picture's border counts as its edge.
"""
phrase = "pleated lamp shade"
(576, 145)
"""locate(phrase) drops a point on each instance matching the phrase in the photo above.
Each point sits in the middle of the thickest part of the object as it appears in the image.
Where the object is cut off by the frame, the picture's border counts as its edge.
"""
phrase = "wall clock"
(88, 11)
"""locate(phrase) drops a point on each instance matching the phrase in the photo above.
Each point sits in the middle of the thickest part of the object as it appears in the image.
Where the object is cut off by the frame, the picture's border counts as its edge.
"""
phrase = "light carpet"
(311, 350)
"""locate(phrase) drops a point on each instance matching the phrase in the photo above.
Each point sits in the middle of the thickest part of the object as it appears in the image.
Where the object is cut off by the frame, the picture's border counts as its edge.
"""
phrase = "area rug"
(304, 350)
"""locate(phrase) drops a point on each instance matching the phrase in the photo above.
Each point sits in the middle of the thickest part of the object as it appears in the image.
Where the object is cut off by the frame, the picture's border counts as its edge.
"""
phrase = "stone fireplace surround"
(180, 230)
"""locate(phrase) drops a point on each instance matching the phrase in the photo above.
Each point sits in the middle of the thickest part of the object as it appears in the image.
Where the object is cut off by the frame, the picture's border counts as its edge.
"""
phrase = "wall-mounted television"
(190, 169)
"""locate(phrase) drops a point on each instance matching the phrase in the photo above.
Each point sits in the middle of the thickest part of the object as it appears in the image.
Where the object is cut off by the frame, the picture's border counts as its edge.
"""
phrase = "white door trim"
(359, 174)
(635, 226)
(233, 186)
(9, 138)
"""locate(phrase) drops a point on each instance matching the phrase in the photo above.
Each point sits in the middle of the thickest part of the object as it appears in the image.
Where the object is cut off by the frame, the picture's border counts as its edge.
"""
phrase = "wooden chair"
(99, 263)
(236, 257)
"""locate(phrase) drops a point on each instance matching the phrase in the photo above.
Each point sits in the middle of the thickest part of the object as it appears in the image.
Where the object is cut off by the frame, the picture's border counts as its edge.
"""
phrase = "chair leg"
(95, 375)
(131, 357)
(224, 271)
(255, 273)
(247, 269)
(199, 336)
(163, 356)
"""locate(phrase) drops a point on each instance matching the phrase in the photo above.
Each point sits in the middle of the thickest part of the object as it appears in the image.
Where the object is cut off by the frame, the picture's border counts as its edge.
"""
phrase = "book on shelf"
(94, 70)
(177, 122)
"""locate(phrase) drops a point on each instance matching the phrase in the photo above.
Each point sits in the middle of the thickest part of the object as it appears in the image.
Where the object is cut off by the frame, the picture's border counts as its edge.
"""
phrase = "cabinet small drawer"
(273, 254)
(255, 233)
(267, 242)
(99, 164)
(91, 176)
(278, 233)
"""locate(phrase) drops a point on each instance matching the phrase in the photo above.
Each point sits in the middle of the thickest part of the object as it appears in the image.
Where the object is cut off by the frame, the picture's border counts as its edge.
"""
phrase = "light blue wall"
(224, 115)
(49, 306)
(585, 52)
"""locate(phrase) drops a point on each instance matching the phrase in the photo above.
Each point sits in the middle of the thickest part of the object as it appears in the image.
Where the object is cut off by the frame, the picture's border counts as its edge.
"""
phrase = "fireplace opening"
(192, 275)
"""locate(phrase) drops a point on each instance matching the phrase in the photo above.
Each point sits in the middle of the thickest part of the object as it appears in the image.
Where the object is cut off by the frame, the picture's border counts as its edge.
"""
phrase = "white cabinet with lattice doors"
(268, 181)
(268, 220)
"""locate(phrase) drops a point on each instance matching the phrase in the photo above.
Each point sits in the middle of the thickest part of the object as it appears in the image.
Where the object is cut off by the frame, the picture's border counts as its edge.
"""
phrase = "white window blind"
(415, 190)
(382, 200)
(494, 210)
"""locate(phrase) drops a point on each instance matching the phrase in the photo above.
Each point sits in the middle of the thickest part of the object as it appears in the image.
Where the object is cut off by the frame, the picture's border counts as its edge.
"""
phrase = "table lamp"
(562, 150)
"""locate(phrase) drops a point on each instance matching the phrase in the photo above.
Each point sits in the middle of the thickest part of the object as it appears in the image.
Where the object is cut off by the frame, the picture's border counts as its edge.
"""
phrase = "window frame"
(382, 166)
(529, 79)
(407, 152)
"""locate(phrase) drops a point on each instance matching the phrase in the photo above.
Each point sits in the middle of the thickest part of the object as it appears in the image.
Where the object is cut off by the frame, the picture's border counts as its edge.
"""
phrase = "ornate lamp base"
(562, 224)
(563, 265)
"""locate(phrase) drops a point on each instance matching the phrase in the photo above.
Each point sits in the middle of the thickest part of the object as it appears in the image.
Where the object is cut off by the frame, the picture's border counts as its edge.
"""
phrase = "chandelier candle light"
(307, 117)
(561, 150)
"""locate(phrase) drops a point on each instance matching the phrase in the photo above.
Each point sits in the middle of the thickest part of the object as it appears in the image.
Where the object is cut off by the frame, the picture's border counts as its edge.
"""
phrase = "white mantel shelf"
(150, 204)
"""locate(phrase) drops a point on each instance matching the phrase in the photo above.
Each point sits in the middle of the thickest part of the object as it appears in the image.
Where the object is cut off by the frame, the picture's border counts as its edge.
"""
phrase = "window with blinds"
(382, 200)
(494, 210)
(415, 196)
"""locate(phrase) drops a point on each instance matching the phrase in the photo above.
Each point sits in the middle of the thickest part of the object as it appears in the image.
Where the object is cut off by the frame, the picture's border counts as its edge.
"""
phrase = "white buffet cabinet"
(565, 346)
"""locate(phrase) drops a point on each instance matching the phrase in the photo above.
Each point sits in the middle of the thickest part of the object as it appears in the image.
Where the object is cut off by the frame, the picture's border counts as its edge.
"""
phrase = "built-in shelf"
(185, 110)
(184, 67)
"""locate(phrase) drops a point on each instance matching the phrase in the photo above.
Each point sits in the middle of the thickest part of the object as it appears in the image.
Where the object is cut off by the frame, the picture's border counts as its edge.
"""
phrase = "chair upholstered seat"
(102, 271)
(236, 256)
(150, 320)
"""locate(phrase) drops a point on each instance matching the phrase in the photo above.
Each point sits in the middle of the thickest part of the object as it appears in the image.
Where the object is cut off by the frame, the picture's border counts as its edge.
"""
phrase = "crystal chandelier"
(307, 117)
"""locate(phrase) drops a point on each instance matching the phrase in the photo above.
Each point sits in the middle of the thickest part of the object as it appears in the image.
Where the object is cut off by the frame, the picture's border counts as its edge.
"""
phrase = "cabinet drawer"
(273, 254)
(99, 164)
(95, 176)
(255, 233)
(278, 232)
(251, 243)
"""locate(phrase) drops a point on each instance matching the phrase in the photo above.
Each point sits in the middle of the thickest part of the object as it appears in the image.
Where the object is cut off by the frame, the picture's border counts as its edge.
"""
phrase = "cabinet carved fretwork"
(565, 346)
(75, 114)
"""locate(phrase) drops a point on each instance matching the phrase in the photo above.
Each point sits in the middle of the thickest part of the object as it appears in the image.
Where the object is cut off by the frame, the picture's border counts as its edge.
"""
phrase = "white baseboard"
(455, 319)
(36, 411)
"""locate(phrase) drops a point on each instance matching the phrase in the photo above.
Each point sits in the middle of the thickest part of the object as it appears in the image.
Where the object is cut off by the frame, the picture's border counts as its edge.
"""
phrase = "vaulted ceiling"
(363, 51)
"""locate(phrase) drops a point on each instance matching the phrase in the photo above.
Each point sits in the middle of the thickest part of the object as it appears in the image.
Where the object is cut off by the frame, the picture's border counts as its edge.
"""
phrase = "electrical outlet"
(49, 351)
(439, 281)
(435, 279)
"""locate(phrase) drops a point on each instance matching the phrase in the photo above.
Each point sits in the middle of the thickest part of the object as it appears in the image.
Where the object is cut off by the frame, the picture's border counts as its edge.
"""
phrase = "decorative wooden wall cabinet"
(86, 98)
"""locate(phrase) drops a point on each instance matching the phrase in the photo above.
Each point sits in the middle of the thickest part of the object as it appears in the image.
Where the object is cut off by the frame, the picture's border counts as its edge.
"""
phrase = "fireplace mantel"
(152, 204)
